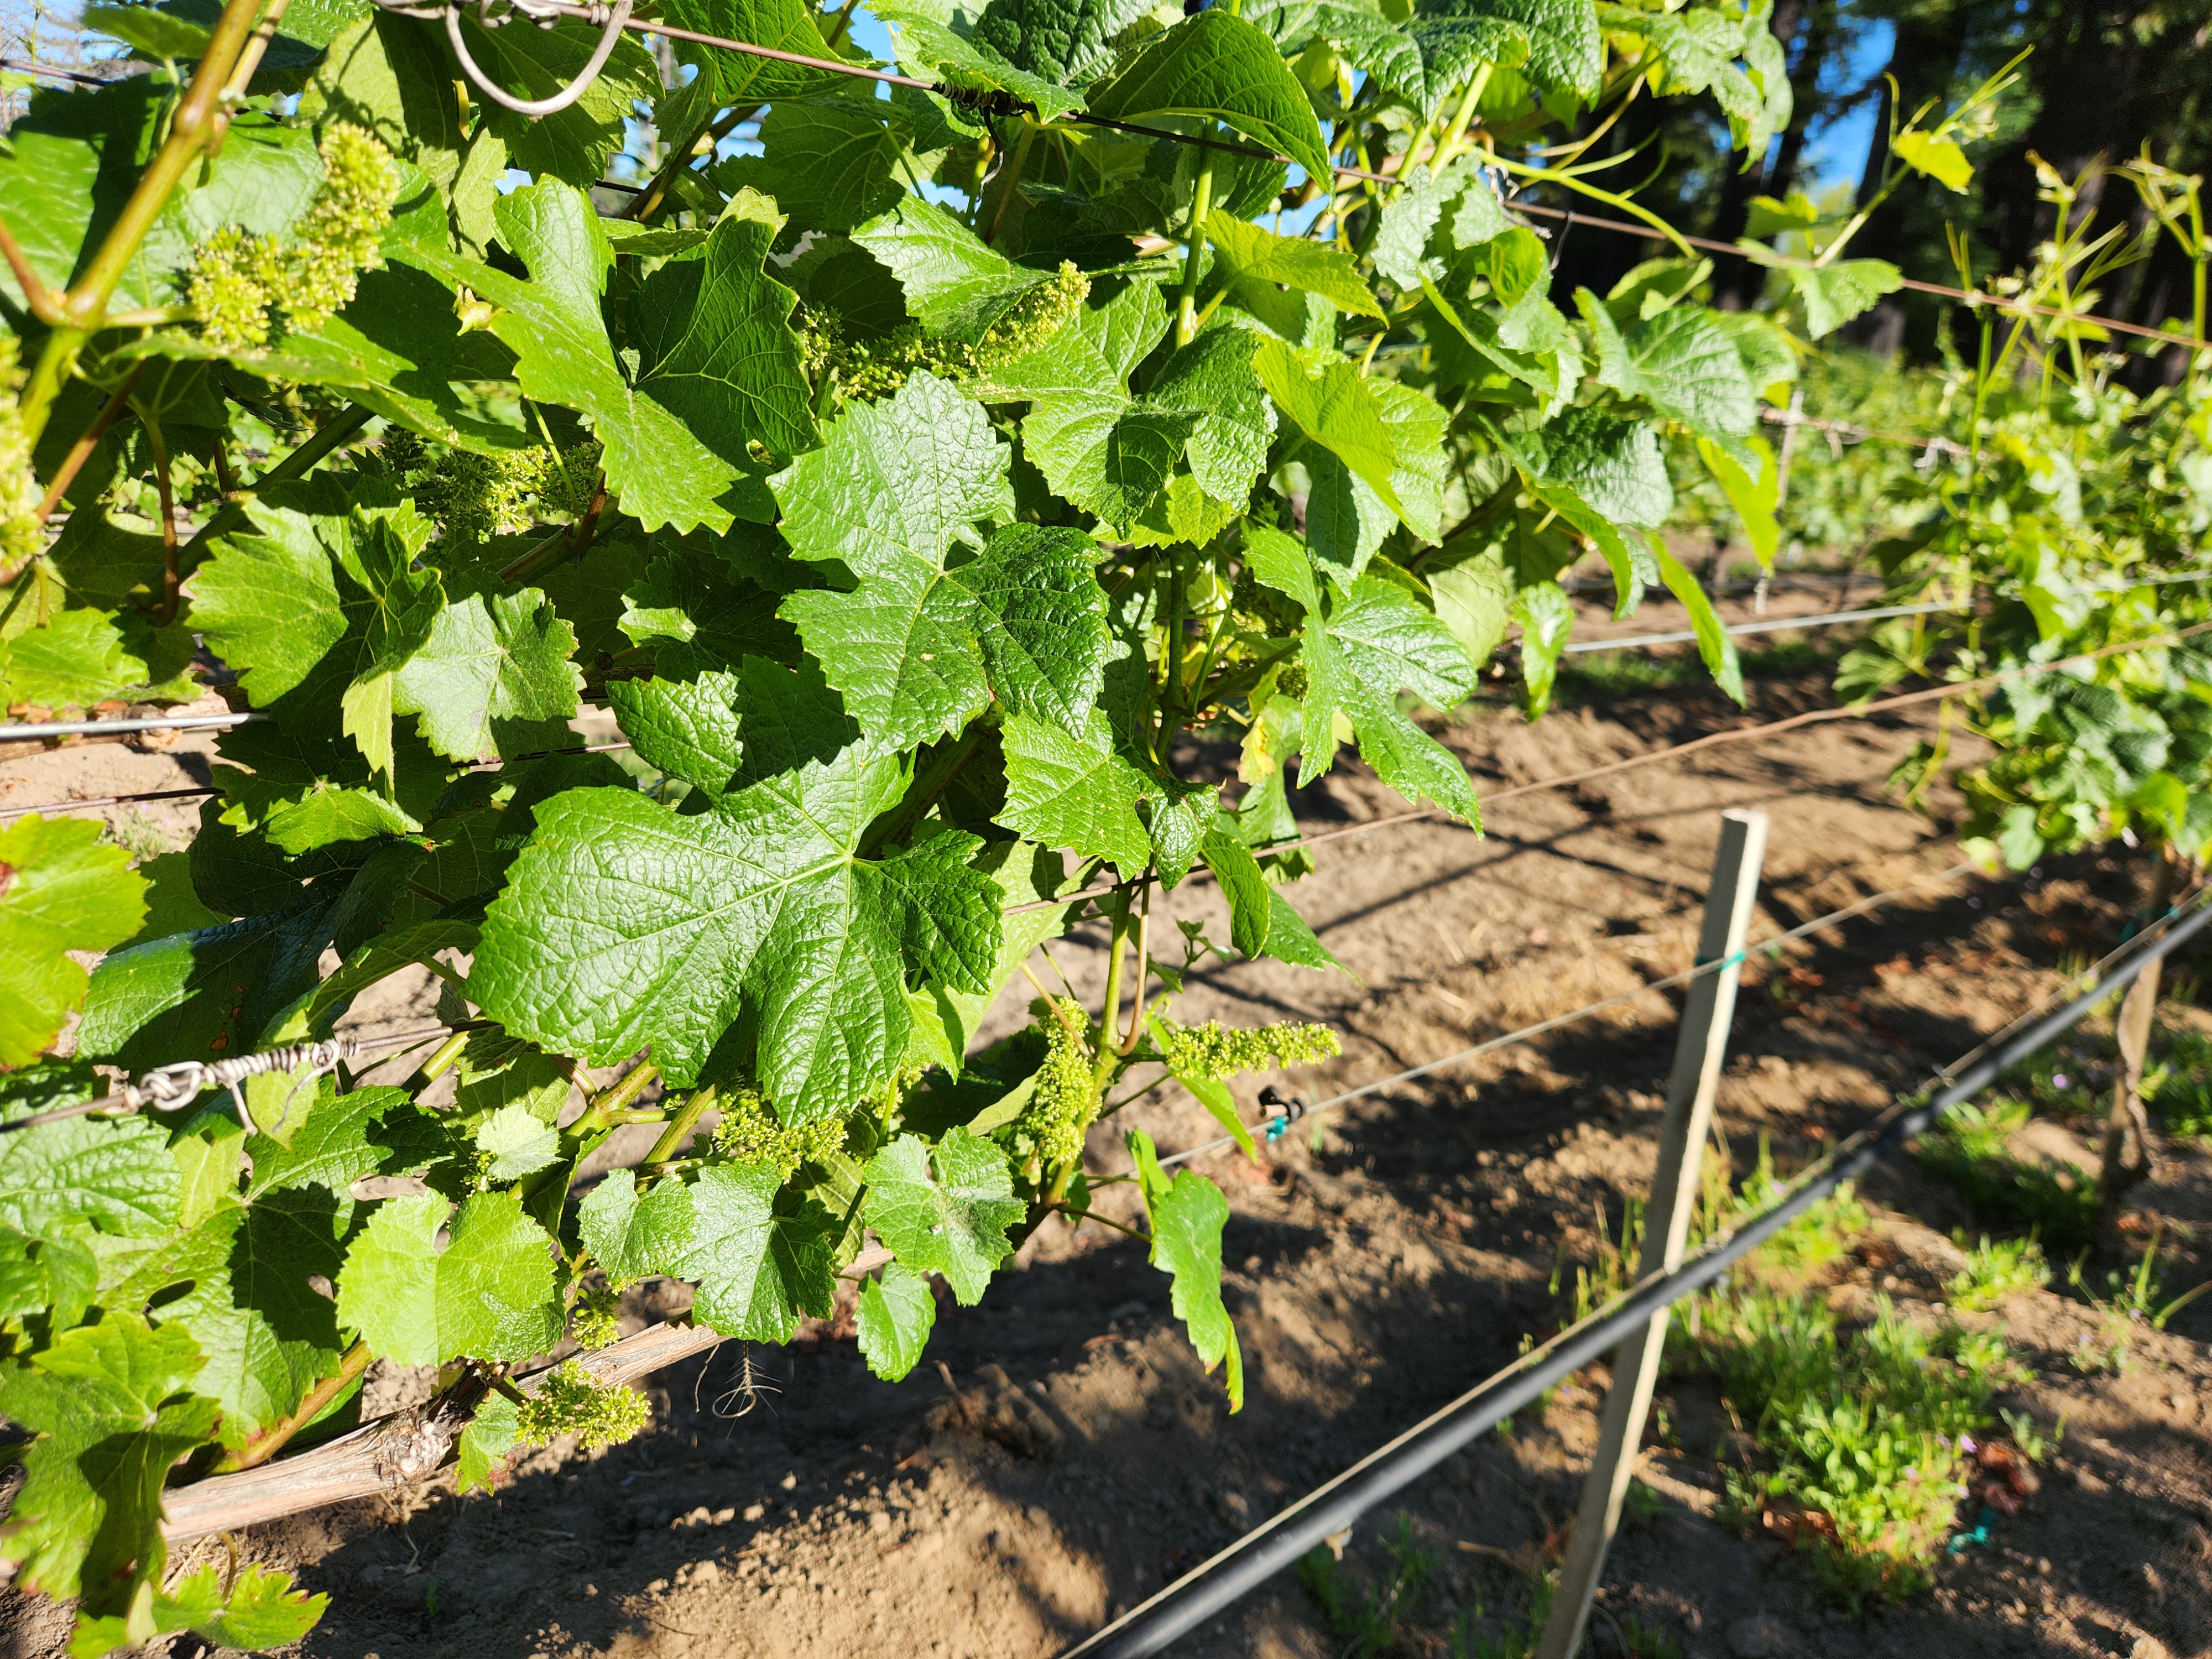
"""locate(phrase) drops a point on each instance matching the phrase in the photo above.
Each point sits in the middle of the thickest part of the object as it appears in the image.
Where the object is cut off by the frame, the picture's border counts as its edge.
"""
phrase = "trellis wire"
(1216, 1583)
(30, 730)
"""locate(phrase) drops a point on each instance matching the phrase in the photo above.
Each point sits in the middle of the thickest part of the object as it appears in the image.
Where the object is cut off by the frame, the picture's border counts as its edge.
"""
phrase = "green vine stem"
(267, 1445)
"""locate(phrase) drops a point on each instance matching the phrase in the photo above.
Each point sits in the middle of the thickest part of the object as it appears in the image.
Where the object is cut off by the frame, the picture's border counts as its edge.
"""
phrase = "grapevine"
(909, 530)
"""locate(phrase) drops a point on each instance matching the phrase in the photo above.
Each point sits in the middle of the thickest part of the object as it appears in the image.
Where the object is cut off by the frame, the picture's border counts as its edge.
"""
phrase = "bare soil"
(1058, 1456)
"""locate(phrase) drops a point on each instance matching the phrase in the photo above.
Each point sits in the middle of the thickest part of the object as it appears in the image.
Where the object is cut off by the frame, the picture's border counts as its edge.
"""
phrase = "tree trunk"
(2115, 1175)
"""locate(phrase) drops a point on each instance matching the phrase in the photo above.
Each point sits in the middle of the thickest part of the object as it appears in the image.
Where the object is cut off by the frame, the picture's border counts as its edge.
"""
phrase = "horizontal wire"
(1673, 982)
(35, 729)
(1771, 625)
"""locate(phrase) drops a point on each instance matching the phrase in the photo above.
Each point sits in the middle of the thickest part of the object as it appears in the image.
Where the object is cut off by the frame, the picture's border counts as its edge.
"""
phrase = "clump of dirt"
(1059, 1455)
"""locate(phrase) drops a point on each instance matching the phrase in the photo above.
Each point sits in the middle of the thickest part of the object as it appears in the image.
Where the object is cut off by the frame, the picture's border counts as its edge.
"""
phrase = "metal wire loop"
(173, 1084)
(493, 14)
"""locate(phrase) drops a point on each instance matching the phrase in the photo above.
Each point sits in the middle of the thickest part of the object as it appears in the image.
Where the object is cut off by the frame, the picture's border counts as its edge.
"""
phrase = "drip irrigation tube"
(1209, 1588)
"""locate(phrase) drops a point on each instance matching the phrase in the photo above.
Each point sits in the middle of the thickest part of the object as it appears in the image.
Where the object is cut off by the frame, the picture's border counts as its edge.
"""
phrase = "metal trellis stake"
(1698, 1055)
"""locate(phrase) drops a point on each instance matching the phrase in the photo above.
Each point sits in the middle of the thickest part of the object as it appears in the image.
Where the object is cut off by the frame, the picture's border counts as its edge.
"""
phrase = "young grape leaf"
(1754, 492)
(1228, 449)
(1681, 361)
(944, 1209)
(514, 1143)
(1218, 64)
(1064, 40)
(927, 47)
(1940, 159)
(574, 144)
(922, 646)
(1715, 644)
(261, 1613)
(1256, 264)
(1187, 1215)
(895, 1316)
(61, 890)
(490, 1293)
(495, 663)
(632, 1237)
(955, 283)
(1834, 294)
(1613, 463)
(714, 330)
(107, 1403)
(1360, 651)
(1546, 616)
(1244, 887)
(739, 77)
(1388, 434)
(1077, 793)
(757, 1271)
(658, 469)
(1106, 451)
(115, 1173)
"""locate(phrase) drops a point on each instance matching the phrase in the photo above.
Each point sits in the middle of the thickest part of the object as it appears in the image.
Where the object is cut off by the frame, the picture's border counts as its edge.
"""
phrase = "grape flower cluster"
(1066, 1098)
(474, 497)
(241, 280)
(571, 1400)
(868, 370)
(749, 1132)
(1211, 1050)
(596, 1319)
(19, 482)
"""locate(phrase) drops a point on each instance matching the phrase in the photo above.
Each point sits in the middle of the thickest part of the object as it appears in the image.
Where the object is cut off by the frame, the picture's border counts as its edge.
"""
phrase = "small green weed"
(2130, 1302)
(1995, 1271)
(139, 836)
(1368, 1620)
(1865, 1432)
(2180, 1087)
(1814, 1239)
(1971, 1150)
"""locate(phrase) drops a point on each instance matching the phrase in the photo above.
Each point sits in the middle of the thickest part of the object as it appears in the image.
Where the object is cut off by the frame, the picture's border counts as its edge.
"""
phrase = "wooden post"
(1698, 1054)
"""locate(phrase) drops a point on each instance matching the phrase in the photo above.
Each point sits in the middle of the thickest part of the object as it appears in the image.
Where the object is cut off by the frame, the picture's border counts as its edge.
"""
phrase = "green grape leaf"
(154, 35)
(756, 1270)
(1291, 938)
(1076, 792)
(831, 163)
(493, 662)
(1681, 362)
(1218, 64)
(1558, 45)
(714, 330)
(1187, 1215)
(1714, 643)
(624, 924)
(73, 659)
(685, 724)
(490, 1293)
(1546, 616)
(61, 890)
(1106, 452)
(632, 1237)
(926, 47)
(944, 1209)
(895, 1314)
(955, 284)
(922, 645)
(344, 1138)
(1940, 159)
(513, 1143)
(1254, 260)
(1227, 450)
(115, 1173)
(1612, 463)
(739, 77)
(107, 1406)
(1064, 40)
(1390, 436)
(480, 1454)
(267, 1334)
(1753, 494)
(661, 473)
(1834, 294)
(261, 1613)
(1244, 887)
